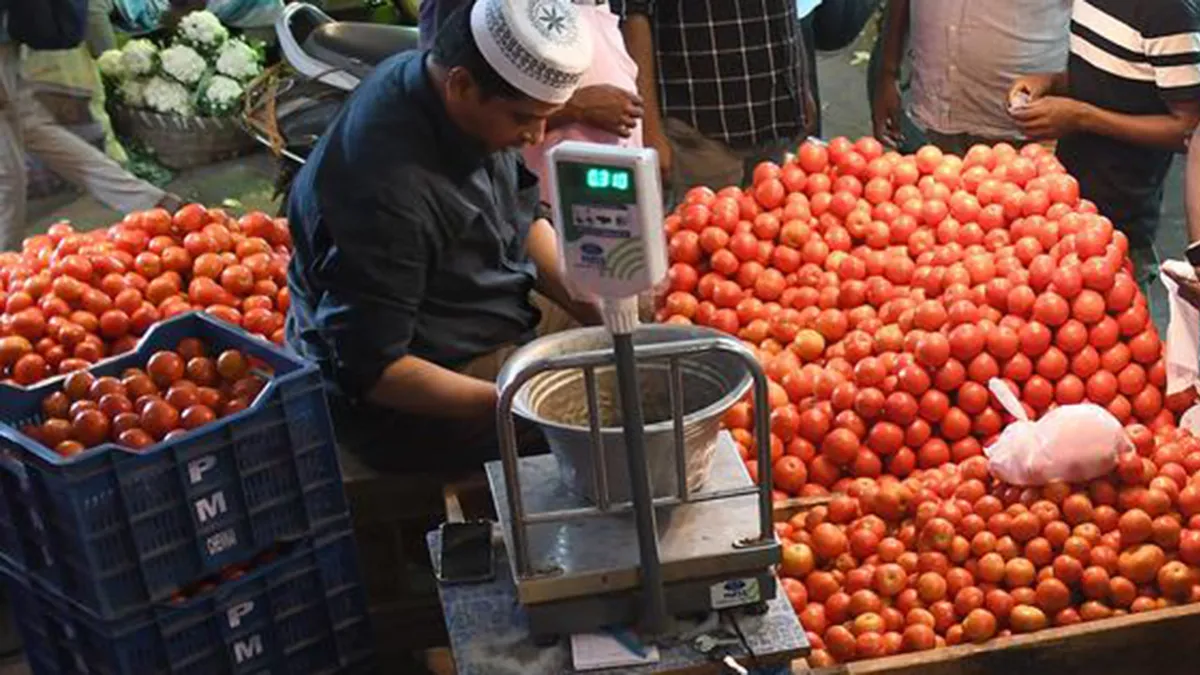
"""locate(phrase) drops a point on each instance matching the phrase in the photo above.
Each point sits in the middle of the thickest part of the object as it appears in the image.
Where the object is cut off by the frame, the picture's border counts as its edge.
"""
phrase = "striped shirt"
(735, 70)
(1131, 57)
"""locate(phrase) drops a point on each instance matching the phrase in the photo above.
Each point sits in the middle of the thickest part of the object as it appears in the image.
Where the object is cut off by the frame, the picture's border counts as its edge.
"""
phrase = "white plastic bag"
(1072, 443)
(1182, 346)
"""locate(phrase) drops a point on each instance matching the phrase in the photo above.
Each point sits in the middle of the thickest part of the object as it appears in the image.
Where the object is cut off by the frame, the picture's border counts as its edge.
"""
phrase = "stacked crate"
(226, 550)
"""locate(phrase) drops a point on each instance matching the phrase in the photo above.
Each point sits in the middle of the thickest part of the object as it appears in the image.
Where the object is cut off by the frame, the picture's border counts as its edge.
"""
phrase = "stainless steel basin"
(557, 402)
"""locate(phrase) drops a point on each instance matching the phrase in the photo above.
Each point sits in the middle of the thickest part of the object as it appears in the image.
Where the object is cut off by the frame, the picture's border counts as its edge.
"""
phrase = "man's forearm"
(895, 31)
(1169, 132)
(566, 115)
(418, 387)
(1191, 187)
(639, 42)
(542, 246)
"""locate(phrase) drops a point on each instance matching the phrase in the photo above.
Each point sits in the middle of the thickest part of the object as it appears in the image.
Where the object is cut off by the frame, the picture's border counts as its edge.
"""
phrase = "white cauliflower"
(183, 64)
(238, 61)
(222, 96)
(139, 58)
(203, 30)
(110, 65)
(168, 97)
(133, 92)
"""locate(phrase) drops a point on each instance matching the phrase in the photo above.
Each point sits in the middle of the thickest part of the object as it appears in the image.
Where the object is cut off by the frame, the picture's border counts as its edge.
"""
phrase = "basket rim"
(132, 111)
(10, 432)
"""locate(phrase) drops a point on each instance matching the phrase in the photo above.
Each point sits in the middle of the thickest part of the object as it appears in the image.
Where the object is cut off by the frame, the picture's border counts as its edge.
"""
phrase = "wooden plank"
(1160, 642)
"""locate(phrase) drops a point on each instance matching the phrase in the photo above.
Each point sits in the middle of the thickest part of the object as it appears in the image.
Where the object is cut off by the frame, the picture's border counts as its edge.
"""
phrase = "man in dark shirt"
(1129, 99)
(417, 237)
(724, 84)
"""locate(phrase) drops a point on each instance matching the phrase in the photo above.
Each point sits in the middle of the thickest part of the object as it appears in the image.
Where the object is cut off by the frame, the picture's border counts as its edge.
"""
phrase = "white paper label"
(735, 593)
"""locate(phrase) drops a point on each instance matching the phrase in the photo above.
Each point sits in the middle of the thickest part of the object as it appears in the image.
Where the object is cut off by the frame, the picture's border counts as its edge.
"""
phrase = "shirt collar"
(457, 144)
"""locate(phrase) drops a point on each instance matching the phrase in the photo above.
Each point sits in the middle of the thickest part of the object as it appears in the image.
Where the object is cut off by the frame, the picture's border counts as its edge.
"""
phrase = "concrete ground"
(249, 180)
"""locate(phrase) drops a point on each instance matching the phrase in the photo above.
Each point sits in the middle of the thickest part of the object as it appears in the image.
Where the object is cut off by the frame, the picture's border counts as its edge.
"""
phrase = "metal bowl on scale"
(557, 402)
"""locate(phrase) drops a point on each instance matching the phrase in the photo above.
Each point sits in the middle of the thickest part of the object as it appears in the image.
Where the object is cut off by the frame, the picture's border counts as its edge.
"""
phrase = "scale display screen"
(601, 178)
(589, 182)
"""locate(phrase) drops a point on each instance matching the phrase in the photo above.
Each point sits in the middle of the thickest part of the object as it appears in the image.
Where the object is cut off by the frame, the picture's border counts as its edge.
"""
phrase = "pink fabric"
(611, 65)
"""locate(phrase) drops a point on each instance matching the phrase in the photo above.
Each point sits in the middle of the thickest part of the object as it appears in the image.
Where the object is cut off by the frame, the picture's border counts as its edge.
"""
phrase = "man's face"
(500, 123)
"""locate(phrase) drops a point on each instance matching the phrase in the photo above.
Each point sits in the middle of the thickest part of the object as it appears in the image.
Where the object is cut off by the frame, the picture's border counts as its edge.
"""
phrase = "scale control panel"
(609, 214)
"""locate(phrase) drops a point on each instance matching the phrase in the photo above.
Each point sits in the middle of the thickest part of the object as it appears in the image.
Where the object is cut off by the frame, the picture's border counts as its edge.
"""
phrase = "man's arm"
(1056, 116)
(1170, 132)
(603, 106)
(1191, 187)
(542, 246)
(374, 278)
(639, 40)
(886, 108)
(419, 387)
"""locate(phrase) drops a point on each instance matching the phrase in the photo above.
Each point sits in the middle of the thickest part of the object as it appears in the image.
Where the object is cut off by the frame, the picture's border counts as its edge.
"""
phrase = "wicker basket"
(183, 142)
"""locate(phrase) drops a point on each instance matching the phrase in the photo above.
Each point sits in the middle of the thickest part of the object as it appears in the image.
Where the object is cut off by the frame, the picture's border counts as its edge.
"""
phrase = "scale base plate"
(591, 564)
(684, 599)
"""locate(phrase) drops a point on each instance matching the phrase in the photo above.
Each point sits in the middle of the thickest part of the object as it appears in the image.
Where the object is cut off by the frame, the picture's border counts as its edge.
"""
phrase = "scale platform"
(587, 571)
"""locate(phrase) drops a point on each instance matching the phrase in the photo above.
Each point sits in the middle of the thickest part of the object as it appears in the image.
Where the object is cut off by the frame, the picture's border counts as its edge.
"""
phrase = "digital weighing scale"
(581, 564)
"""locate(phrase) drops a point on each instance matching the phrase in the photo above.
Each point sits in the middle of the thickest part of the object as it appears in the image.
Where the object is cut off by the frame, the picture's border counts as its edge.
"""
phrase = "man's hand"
(1049, 117)
(1030, 88)
(887, 111)
(1189, 289)
(607, 108)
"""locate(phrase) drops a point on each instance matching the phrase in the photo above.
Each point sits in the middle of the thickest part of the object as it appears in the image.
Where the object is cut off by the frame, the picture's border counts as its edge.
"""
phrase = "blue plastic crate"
(304, 613)
(116, 530)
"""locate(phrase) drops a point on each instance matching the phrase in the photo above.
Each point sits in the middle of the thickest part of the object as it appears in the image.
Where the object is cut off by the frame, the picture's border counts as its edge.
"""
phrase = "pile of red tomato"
(70, 298)
(948, 556)
(882, 293)
(178, 391)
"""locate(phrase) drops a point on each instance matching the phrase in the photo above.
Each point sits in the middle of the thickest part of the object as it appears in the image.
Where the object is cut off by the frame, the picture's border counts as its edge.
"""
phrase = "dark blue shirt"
(409, 237)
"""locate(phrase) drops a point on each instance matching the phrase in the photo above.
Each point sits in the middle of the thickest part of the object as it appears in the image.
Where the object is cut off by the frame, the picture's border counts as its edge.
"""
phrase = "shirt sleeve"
(529, 191)
(1171, 35)
(375, 278)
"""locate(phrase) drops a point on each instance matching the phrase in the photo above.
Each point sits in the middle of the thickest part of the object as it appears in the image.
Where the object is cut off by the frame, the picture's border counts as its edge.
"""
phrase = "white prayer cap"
(541, 47)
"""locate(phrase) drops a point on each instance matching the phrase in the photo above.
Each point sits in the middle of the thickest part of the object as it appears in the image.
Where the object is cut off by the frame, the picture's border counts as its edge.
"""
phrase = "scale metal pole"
(654, 617)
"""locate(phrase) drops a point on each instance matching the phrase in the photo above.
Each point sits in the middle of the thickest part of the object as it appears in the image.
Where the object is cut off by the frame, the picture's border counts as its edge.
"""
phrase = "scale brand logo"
(734, 593)
(625, 261)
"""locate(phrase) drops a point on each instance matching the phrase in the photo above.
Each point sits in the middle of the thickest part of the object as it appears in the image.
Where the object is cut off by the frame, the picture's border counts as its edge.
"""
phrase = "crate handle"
(291, 543)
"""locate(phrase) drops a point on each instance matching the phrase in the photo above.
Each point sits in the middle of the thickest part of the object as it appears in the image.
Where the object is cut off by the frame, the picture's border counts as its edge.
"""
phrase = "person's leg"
(912, 138)
(12, 222)
(952, 144)
(99, 34)
(700, 160)
(76, 161)
(1145, 270)
(12, 156)
(809, 40)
